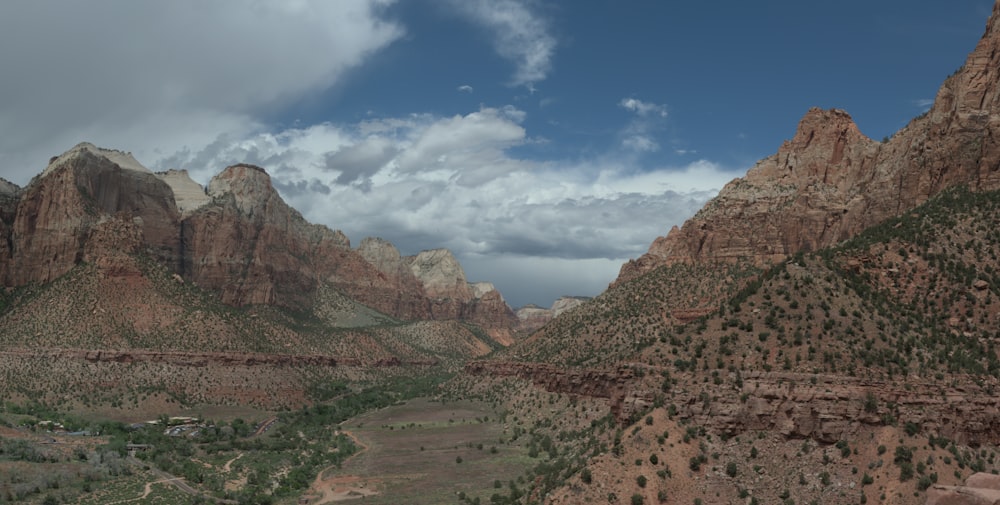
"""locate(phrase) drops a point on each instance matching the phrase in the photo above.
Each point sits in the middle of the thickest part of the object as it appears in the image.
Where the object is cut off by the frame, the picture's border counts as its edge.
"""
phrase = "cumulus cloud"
(465, 88)
(638, 136)
(189, 84)
(426, 181)
(520, 36)
(643, 108)
(155, 77)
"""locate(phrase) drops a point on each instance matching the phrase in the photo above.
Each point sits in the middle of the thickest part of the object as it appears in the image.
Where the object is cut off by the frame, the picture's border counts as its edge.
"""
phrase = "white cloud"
(641, 143)
(465, 88)
(156, 77)
(187, 84)
(638, 135)
(424, 181)
(520, 36)
(643, 108)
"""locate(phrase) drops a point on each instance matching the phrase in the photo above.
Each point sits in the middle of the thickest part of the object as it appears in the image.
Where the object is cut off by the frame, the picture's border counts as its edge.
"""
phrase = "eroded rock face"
(237, 237)
(188, 194)
(441, 275)
(55, 215)
(8, 189)
(979, 489)
(830, 181)
(611, 384)
(252, 247)
(8, 207)
(399, 292)
(533, 317)
(488, 309)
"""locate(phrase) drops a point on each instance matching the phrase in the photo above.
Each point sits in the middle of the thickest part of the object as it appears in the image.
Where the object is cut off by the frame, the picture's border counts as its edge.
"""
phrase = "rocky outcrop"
(236, 237)
(979, 489)
(251, 246)
(615, 385)
(488, 309)
(829, 181)
(8, 189)
(200, 359)
(532, 317)
(56, 213)
(8, 207)
(826, 408)
(188, 194)
(111, 246)
(441, 275)
(829, 408)
(401, 293)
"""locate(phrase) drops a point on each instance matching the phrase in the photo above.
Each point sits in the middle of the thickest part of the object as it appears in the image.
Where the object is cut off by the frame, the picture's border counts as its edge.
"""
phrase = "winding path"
(148, 489)
(327, 489)
(173, 480)
(228, 466)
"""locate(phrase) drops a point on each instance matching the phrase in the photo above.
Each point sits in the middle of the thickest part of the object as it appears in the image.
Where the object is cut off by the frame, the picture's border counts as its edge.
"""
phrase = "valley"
(826, 330)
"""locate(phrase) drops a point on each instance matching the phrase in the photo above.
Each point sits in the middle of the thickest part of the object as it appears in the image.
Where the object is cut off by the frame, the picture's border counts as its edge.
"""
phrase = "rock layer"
(236, 237)
(56, 213)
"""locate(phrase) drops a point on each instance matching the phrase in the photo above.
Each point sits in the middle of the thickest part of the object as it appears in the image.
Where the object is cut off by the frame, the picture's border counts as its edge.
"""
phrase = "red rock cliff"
(830, 181)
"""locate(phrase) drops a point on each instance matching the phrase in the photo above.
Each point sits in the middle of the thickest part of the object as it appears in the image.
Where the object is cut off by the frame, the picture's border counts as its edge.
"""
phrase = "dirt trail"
(145, 492)
(228, 466)
(342, 487)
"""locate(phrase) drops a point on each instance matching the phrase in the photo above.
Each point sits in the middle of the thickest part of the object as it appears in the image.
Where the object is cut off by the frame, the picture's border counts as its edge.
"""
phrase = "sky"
(543, 142)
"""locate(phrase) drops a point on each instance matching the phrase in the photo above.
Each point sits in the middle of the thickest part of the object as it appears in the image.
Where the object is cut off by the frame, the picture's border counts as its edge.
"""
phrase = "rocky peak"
(566, 303)
(53, 217)
(248, 184)
(830, 181)
(973, 92)
(481, 289)
(532, 317)
(8, 189)
(189, 195)
(382, 255)
(826, 146)
(441, 274)
(122, 159)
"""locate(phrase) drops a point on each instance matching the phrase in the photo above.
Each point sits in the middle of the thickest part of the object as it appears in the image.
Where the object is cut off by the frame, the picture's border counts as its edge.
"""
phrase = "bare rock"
(983, 480)
(441, 275)
(532, 317)
(830, 181)
(54, 215)
(188, 194)
(961, 495)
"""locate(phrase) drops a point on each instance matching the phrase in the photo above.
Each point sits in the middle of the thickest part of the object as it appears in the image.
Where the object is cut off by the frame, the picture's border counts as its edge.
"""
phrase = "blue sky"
(543, 142)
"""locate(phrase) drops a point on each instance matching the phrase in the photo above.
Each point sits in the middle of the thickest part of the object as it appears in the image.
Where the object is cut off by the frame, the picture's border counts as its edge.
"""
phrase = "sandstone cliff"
(188, 194)
(532, 317)
(55, 214)
(829, 181)
(236, 237)
(252, 247)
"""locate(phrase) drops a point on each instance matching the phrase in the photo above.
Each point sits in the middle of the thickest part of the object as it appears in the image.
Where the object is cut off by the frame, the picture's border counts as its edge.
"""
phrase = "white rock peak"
(123, 159)
(188, 194)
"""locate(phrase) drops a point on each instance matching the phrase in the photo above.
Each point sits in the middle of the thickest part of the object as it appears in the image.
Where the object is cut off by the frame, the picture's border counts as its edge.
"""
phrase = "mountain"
(829, 181)
(533, 317)
(823, 331)
(236, 237)
(106, 264)
(825, 185)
